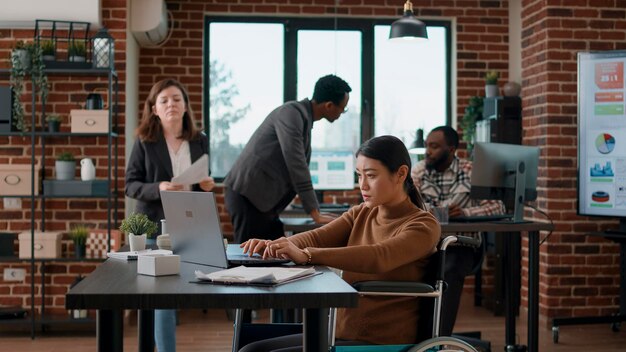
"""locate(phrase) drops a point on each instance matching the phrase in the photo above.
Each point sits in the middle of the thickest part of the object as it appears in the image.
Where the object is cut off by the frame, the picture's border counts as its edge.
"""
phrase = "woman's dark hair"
(330, 88)
(150, 128)
(392, 153)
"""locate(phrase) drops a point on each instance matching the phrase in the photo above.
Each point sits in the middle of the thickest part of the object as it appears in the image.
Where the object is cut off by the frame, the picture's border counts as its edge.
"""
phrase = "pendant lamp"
(408, 27)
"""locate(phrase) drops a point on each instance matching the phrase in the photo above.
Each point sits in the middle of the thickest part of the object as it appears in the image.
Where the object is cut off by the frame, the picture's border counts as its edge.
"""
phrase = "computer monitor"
(505, 172)
(332, 170)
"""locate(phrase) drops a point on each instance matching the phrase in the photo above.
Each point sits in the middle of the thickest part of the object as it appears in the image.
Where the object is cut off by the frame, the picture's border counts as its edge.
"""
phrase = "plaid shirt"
(452, 186)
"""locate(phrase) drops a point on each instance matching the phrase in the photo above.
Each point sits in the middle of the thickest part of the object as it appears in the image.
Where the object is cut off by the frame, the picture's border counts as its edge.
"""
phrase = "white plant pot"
(23, 56)
(491, 90)
(65, 170)
(137, 242)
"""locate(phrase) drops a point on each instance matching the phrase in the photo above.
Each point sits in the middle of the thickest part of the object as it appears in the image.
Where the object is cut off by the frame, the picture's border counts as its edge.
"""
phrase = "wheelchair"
(433, 287)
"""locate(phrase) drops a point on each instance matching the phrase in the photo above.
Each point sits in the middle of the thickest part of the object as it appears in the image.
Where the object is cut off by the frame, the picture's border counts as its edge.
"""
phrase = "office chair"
(427, 329)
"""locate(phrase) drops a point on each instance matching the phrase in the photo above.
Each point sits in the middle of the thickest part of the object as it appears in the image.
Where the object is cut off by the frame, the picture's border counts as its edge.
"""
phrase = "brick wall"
(579, 274)
(66, 92)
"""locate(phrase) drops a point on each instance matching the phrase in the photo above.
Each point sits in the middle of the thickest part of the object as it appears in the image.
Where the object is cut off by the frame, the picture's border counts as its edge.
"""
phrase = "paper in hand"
(195, 173)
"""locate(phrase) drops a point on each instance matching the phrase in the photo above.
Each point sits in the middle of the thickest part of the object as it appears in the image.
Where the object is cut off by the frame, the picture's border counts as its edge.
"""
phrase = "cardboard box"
(15, 180)
(76, 188)
(47, 244)
(89, 121)
(158, 264)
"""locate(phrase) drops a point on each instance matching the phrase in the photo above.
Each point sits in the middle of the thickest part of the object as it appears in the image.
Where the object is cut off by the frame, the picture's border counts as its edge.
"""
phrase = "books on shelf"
(266, 276)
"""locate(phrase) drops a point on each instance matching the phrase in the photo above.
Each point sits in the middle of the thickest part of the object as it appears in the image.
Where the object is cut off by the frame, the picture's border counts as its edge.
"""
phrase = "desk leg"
(110, 330)
(145, 333)
(533, 291)
(509, 288)
(315, 330)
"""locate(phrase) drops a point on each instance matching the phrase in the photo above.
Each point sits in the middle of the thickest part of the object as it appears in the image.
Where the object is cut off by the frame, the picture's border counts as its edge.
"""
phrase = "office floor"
(213, 332)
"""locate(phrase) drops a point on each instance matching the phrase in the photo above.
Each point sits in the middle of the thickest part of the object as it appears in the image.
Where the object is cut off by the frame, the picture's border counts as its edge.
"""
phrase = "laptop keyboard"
(480, 218)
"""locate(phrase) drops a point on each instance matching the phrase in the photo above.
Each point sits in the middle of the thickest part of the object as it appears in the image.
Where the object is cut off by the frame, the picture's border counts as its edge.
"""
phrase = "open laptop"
(194, 226)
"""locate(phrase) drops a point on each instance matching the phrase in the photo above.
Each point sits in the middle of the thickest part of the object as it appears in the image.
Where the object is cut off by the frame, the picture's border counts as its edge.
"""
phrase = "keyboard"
(480, 218)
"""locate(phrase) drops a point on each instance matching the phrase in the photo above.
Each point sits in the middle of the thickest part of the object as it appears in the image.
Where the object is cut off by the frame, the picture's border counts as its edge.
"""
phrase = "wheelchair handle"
(470, 241)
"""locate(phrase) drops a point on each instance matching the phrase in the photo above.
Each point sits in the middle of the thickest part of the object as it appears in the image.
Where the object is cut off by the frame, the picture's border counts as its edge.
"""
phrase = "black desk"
(115, 286)
(532, 228)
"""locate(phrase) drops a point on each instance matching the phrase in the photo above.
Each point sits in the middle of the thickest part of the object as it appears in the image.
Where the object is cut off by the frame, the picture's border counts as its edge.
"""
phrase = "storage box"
(76, 188)
(96, 243)
(89, 121)
(15, 180)
(47, 244)
(158, 264)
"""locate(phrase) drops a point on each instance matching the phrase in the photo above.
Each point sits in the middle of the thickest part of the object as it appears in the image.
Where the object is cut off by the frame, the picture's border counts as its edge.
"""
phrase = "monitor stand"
(619, 231)
(520, 195)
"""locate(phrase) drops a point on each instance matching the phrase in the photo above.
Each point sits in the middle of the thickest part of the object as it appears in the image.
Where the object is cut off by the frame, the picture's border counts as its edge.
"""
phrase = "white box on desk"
(158, 264)
(47, 244)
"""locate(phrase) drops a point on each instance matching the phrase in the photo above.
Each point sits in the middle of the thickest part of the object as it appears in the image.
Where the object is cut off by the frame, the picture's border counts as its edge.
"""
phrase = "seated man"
(444, 180)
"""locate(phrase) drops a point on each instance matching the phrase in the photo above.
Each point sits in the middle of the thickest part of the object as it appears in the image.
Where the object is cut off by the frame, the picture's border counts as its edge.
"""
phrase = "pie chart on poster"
(605, 143)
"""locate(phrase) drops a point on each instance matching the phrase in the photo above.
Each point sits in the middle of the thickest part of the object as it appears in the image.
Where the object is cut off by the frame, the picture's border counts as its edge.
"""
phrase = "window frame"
(291, 27)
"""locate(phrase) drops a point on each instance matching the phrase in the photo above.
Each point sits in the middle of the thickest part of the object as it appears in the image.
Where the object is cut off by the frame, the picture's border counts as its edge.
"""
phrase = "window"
(256, 64)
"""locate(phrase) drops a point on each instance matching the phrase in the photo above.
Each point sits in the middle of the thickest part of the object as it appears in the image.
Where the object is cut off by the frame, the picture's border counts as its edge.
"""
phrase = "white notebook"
(256, 275)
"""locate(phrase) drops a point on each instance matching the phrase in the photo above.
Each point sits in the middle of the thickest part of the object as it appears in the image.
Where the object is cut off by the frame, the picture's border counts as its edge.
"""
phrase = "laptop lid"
(194, 227)
(193, 223)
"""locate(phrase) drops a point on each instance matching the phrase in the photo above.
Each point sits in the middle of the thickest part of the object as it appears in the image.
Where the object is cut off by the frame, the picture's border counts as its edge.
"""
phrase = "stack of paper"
(133, 255)
(256, 275)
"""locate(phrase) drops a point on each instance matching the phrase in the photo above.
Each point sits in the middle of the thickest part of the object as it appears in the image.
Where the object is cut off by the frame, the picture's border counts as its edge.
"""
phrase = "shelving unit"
(39, 138)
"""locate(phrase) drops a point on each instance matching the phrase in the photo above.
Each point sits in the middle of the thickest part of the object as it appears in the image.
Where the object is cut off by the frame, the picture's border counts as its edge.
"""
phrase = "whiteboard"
(601, 134)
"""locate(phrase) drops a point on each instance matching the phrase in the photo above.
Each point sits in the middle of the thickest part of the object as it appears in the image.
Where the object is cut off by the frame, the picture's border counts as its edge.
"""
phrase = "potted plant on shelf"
(65, 166)
(139, 228)
(47, 50)
(54, 122)
(491, 84)
(79, 234)
(26, 58)
(76, 51)
(473, 113)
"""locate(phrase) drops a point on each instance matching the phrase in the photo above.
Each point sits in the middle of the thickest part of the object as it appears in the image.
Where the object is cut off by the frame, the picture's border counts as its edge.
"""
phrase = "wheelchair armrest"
(393, 287)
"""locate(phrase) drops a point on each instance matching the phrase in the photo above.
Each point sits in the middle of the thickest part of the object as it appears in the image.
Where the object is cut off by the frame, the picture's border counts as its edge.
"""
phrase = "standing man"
(274, 165)
(443, 179)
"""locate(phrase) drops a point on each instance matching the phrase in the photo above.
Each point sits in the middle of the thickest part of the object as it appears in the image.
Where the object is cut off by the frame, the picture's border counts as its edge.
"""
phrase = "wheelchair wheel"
(441, 344)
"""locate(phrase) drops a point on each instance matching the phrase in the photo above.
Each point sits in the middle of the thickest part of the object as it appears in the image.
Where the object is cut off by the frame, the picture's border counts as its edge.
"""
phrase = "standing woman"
(168, 143)
(387, 237)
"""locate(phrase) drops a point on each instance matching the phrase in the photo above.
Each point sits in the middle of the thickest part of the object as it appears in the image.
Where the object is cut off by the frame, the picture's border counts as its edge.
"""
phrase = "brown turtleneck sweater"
(383, 243)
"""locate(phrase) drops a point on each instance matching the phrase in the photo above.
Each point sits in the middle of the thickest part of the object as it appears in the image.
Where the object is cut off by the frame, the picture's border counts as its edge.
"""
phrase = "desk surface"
(116, 285)
(458, 227)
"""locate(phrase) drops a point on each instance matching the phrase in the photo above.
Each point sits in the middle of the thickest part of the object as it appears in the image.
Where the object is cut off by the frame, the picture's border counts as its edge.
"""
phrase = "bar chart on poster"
(601, 134)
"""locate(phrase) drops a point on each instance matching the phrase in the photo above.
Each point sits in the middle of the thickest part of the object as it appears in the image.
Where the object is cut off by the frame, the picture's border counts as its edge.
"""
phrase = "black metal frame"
(291, 27)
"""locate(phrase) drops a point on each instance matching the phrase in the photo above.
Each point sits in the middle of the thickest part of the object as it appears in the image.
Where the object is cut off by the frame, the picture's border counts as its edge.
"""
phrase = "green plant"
(473, 113)
(76, 48)
(65, 156)
(138, 224)
(79, 234)
(53, 118)
(47, 47)
(491, 77)
(19, 70)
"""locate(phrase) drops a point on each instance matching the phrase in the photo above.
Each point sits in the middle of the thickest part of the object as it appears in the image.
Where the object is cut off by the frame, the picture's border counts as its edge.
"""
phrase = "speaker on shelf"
(6, 103)
(503, 115)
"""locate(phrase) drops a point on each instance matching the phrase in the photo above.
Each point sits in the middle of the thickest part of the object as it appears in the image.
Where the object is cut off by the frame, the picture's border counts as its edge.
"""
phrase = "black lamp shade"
(408, 27)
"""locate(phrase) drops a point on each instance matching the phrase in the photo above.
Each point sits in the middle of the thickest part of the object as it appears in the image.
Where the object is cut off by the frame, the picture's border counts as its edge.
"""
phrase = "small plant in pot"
(47, 50)
(79, 234)
(77, 51)
(491, 84)
(139, 228)
(54, 122)
(65, 166)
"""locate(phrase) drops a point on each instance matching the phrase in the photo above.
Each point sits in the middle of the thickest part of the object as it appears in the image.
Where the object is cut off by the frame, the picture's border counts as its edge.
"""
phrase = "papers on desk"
(266, 276)
(195, 173)
(133, 255)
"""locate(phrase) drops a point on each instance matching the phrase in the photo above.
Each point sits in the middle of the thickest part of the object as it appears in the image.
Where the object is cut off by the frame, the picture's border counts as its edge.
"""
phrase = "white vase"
(491, 90)
(137, 242)
(87, 170)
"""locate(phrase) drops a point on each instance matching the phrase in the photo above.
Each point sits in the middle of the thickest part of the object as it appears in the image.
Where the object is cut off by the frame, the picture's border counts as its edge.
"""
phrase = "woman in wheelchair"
(387, 237)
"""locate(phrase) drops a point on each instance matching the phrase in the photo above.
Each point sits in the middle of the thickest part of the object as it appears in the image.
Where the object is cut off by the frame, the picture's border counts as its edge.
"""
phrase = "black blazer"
(150, 164)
